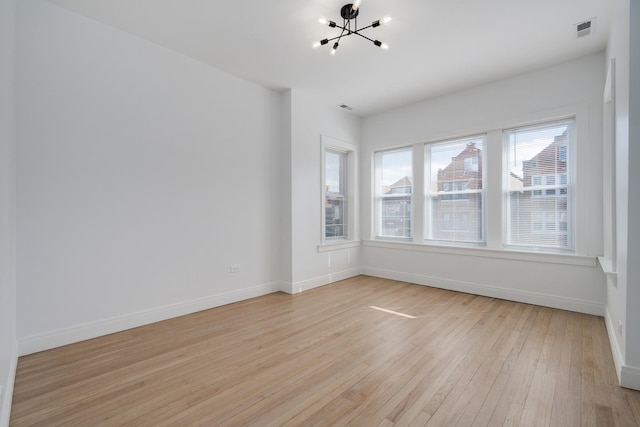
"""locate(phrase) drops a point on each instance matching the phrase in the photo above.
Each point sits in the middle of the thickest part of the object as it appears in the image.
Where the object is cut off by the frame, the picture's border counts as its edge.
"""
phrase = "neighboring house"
(546, 175)
(458, 216)
(396, 209)
(334, 211)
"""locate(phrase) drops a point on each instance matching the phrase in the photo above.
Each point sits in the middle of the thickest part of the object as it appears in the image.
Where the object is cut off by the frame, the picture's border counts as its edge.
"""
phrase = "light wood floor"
(326, 357)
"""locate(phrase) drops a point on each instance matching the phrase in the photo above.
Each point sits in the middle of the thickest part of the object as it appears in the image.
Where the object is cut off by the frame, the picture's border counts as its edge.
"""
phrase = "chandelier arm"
(342, 34)
(343, 29)
(365, 37)
(337, 37)
(364, 28)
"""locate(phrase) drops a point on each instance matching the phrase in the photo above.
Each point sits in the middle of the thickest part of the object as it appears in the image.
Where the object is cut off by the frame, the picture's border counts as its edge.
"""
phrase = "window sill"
(608, 270)
(338, 244)
(550, 258)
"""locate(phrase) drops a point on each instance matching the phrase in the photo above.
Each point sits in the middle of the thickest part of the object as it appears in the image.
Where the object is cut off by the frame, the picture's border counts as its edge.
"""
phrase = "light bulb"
(333, 51)
(320, 43)
(323, 20)
(356, 5)
(385, 20)
(335, 47)
(381, 45)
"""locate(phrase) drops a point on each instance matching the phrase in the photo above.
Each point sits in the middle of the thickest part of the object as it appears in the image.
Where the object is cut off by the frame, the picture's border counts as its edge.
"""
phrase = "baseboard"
(7, 391)
(630, 377)
(545, 300)
(614, 343)
(316, 282)
(346, 274)
(60, 337)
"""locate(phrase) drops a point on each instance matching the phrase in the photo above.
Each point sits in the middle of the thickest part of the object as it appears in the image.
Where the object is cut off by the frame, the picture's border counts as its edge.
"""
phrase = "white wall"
(8, 343)
(575, 86)
(624, 298)
(143, 175)
(310, 268)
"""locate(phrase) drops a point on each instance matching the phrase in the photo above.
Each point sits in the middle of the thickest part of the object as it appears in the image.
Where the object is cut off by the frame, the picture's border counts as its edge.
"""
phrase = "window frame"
(340, 196)
(583, 251)
(455, 193)
(349, 194)
(543, 190)
(378, 197)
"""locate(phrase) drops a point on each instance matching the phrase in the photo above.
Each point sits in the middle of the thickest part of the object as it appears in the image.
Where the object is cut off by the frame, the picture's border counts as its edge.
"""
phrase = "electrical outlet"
(620, 327)
(234, 268)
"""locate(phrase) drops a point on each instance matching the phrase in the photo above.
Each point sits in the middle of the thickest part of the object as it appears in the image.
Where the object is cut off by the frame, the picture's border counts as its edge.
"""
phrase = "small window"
(335, 203)
(470, 164)
(338, 190)
(562, 153)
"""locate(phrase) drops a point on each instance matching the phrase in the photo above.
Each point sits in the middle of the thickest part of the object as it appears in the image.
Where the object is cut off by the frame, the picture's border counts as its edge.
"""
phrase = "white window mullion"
(493, 186)
(418, 204)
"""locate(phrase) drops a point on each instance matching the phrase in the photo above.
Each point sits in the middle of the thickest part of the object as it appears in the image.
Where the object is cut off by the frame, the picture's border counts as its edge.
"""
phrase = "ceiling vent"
(346, 107)
(586, 28)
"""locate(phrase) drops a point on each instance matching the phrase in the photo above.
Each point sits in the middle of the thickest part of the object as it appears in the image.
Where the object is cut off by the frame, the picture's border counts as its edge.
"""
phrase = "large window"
(394, 193)
(513, 189)
(335, 201)
(455, 191)
(538, 197)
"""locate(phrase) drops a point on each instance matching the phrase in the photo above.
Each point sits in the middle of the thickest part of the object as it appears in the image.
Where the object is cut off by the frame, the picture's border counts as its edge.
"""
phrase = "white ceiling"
(436, 46)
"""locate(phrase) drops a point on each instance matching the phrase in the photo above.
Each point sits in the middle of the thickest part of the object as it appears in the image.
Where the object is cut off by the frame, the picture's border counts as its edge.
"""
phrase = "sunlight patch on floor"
(408, 316)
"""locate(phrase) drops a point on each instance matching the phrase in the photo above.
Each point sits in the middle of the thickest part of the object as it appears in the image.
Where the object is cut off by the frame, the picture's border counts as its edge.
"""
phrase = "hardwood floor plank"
(331, 356)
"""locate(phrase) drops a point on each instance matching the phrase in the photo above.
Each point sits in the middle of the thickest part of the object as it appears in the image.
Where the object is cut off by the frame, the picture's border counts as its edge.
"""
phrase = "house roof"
(403, 182)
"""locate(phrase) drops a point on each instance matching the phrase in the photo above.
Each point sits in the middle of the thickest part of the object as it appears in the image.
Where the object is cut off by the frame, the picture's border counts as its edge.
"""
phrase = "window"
(338, 191)
(455, 191)
(335, 206)
(394, 193)
(538, 200)
(546, 181)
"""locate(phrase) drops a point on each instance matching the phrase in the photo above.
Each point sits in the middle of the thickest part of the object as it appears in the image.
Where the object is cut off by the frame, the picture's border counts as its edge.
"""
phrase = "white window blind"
(455, 190)
(394, 193)
(538, 182)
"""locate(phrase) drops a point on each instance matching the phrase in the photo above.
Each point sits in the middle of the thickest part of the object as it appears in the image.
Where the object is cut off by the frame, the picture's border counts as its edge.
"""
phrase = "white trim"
(316, 282)
(547, 258)
(338, 244)
(7, 391)
(607, 268)
(630, 377)
(351, 192)
(609, 171)
(346, 274)
(618, 359)
(47, 340)
(546, 300)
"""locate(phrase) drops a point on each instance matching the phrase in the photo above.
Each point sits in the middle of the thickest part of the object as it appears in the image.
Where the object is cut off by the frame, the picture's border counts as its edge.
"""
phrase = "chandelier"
(349, 13)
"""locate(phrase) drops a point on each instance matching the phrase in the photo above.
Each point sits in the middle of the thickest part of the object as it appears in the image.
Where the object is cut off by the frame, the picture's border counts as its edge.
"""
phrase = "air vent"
(586, 28)
(346, 107)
